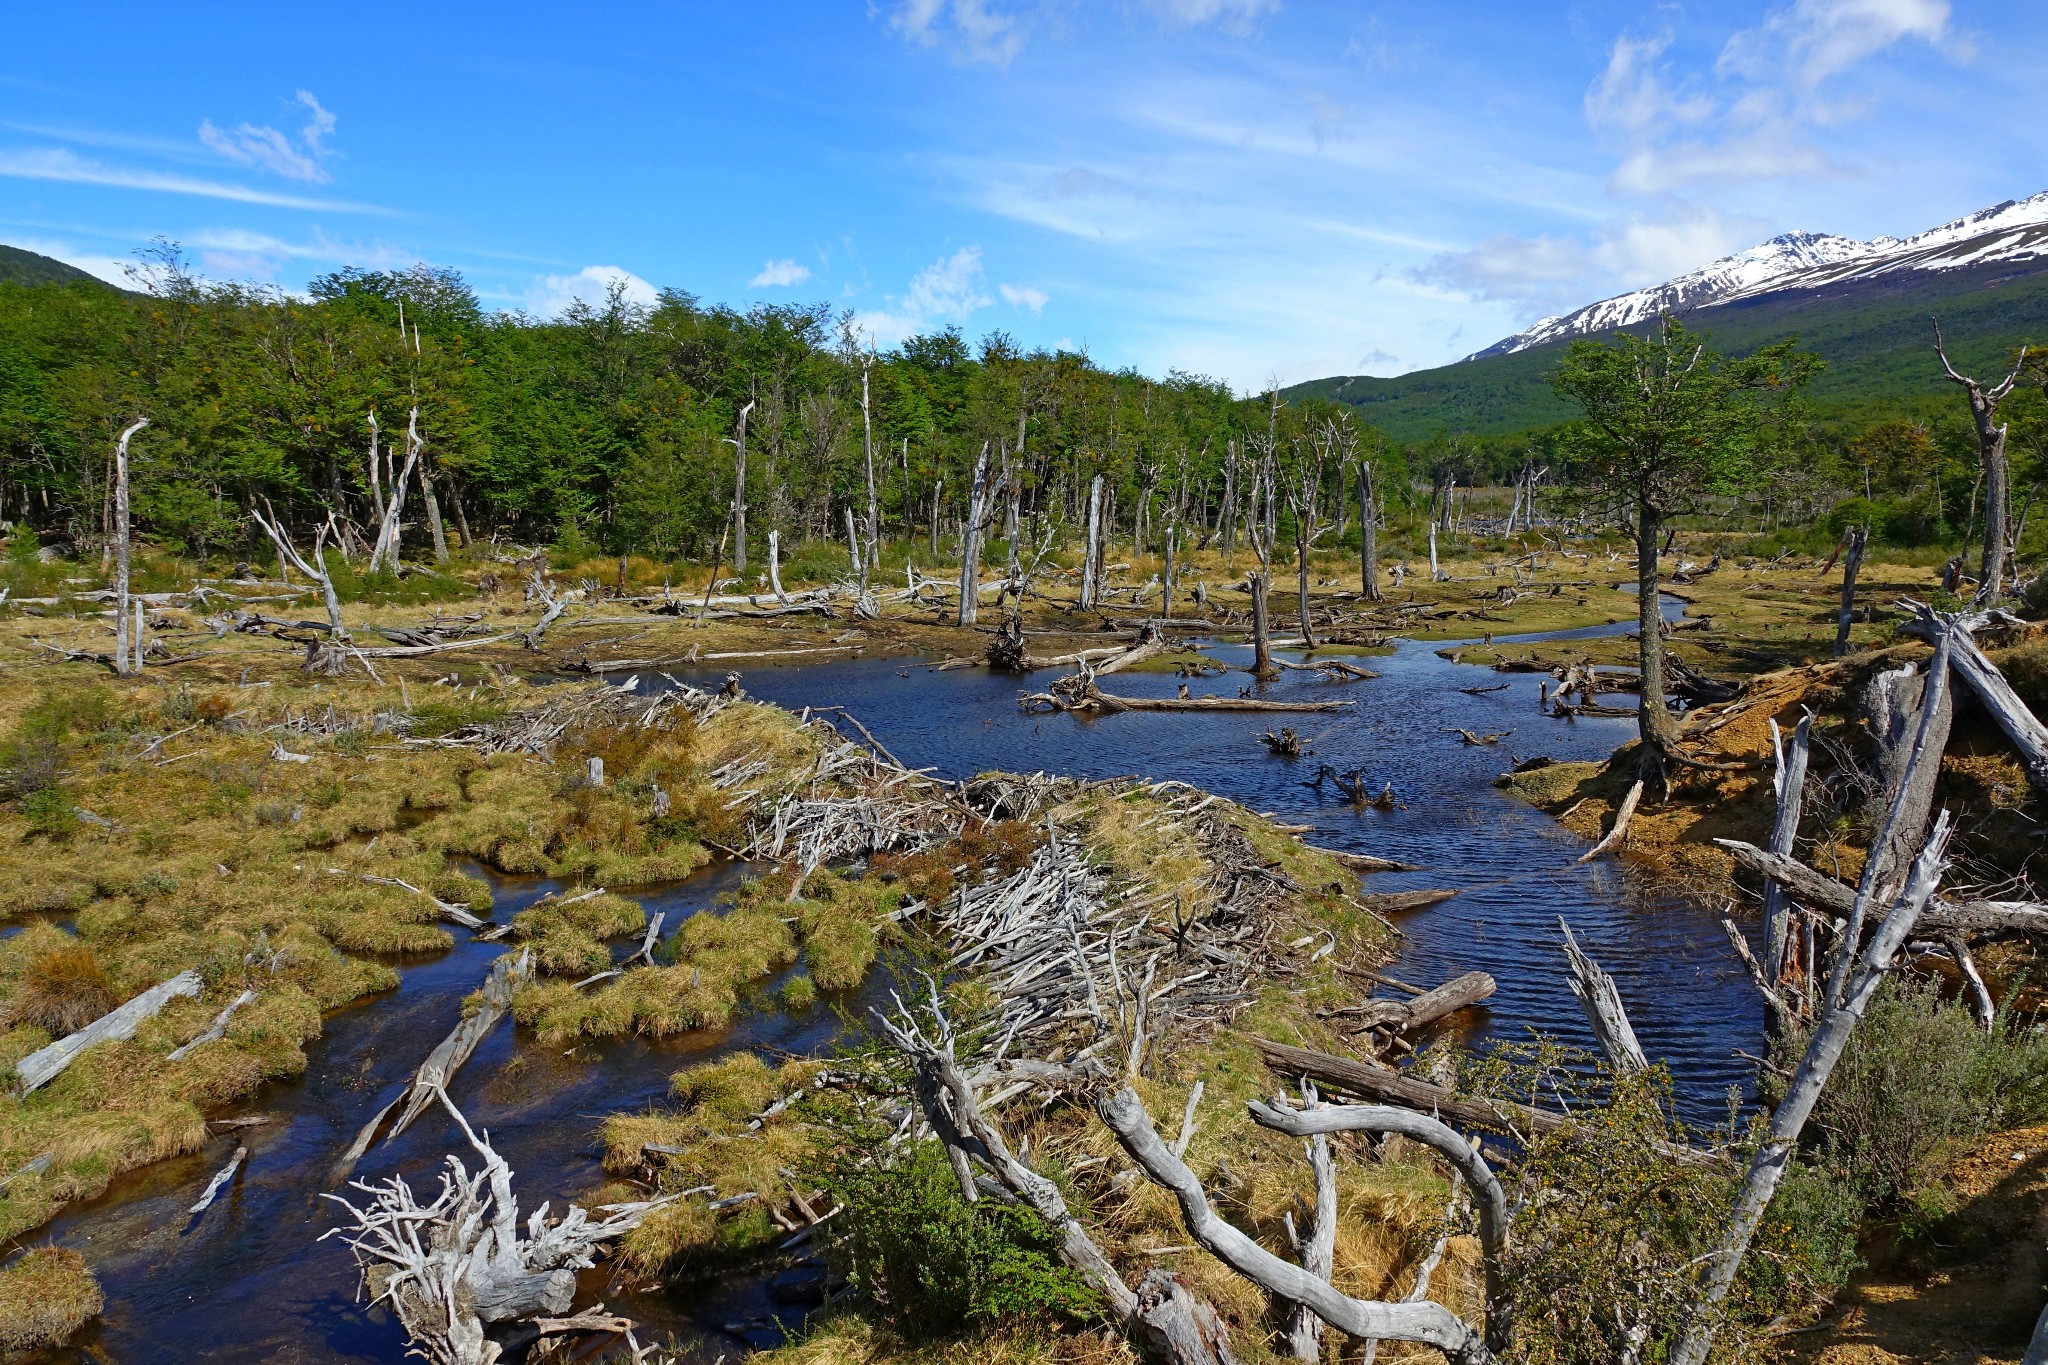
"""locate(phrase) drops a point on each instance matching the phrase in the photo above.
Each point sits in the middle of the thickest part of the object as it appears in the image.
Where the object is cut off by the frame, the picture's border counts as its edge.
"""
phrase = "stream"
(247, 1280)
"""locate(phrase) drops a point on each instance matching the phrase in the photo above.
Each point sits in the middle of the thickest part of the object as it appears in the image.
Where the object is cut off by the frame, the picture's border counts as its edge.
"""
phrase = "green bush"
(1918, 1079)
(933, 1264)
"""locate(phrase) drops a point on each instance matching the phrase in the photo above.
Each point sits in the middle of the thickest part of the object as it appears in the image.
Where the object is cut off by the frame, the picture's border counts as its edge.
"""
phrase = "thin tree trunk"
(1308, 629)
(1262, 649)
(867, 454)
(739, 492)
(123, 544)
(433, 506)
(1851, 562)
(1368, 535)
(1653, 717)
(970, 542)
(1790, 785)
(1089, 585)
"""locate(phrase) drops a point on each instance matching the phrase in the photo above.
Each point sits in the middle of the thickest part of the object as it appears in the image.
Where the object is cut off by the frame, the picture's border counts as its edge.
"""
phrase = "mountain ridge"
(2016, 230)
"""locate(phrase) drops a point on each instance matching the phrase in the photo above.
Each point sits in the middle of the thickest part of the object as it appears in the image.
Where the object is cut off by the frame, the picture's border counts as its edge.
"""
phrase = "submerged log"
(1087, 699)
(431, 1080)
(1362, 862)
(1375, 1082)
(41, 1067)
(1396, 902)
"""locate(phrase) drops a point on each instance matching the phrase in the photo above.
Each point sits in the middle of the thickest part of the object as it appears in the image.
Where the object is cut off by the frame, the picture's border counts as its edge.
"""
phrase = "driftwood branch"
(1601, 1000)
(40, 1068)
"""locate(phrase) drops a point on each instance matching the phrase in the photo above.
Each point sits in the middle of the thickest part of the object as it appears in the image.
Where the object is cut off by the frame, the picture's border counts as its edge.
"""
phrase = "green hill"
(1874, 334)
(31, 268)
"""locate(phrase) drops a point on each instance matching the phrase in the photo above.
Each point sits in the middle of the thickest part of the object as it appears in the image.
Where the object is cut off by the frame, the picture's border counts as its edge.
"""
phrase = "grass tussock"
(45, 1297)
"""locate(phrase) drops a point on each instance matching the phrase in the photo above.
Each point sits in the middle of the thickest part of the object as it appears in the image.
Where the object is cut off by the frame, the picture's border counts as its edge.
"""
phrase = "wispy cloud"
(780, 275)
(57, 164)
(947, 291)
(994, 31)
(264, 147)
(1024, 296)
(552, 295)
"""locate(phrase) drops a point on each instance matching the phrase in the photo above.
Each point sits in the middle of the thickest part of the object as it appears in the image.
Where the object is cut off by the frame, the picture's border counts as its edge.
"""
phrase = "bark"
(315, 569)
(433, 505)
(1893, 702)
(1316, 1247)
(1429, 1323)
(1653, 721)
(40, 1068)
(775, 566)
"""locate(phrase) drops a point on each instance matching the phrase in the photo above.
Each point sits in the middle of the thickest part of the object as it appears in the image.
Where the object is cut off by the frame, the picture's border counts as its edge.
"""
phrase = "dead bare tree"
(1368, 534)
(1852, 560)
(1992, 462)
(330, 659)
(1091, 551)
(127, 636)
(384, 554)
(738, 442)
(970, 541)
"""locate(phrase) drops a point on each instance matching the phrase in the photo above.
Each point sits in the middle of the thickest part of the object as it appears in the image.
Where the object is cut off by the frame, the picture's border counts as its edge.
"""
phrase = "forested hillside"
(620, 429)
(1874, 334)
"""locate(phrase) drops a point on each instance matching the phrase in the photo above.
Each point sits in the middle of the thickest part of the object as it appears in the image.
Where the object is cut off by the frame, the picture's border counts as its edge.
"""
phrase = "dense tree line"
(620, 428)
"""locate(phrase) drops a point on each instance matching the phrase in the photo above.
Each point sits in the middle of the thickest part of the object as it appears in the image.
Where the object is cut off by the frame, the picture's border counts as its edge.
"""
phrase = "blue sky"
(1249, 189)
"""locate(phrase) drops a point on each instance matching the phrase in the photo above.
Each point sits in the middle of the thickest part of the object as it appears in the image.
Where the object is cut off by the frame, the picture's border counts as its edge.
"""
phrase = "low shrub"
(45, 1297)
(933, 1264)
(60, 991)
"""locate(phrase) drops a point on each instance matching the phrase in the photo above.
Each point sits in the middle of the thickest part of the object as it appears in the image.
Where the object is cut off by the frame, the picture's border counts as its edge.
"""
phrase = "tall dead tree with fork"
(970, 540)
(1991, 458)
(127, 637)
(330, 659)
(384, 554)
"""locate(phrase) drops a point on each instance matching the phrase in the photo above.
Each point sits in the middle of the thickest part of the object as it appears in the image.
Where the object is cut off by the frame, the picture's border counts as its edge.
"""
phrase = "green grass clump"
(45, 1297)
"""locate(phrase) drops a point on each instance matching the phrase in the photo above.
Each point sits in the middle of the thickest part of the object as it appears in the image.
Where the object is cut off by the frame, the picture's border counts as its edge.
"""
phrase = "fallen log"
(1405, 1016)
(226, 1174)
(1619, 833)
(1092, 701)
(40, 1068)
(1375, 1082)
(1362, 862)
(217, 1029)
(1821, 892)
(448, 1056)
(1968, 662)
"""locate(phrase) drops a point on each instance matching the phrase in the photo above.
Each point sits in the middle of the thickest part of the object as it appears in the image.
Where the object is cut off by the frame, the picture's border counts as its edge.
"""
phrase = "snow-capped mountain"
(2016, 230)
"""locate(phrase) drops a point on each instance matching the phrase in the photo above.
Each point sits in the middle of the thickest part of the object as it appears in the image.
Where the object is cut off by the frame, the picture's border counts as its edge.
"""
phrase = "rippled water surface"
(247, 1281)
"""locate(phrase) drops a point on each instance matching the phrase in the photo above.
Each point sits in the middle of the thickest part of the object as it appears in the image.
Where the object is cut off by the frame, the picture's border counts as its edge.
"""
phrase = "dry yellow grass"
(45, 1297)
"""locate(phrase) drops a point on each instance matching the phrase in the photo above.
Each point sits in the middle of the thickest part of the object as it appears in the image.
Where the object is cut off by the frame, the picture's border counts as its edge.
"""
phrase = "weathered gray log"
(1968, 662)
(448, 1056)
(1400, 1088)
(1789, 783)
(41, 1067)
(1316, 1246)
(1403, 1016)
(1619, 832)
(1362, 862)
(1429, 1323)
(1464, 1158)
(1601, 1000)
(1980, 994)
(1092, 699)
(1824, 893)
(217, 1029)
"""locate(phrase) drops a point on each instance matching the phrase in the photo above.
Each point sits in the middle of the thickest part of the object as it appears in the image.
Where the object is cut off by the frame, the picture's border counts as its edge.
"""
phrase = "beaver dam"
(885, 1004)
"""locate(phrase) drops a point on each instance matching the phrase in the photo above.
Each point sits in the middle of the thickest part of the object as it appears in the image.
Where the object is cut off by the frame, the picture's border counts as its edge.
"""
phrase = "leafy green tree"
(1667, 423)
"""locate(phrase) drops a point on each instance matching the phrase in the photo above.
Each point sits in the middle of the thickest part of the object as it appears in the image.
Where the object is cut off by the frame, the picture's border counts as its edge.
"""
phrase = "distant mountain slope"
(28, 267)
(1870, 325)
(2015, 231)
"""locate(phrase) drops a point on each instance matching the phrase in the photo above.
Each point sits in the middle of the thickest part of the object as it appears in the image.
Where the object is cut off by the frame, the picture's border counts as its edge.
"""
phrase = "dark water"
(248, 1282)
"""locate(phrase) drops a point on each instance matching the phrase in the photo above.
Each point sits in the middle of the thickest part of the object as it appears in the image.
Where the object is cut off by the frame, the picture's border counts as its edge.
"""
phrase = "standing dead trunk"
(867, 455)
(1435, 574)
(1790, 785)
(1166, 579)
(775, 562)
(1368, 536)
(1992, 467)
(376, 471)
(970, 541)
(1090, 568)
(315, 569)
(1262, 646)
(433, 505)
(1852, 560)
(739, 491)
(385, 552)
(1653, 717)
(127, 650)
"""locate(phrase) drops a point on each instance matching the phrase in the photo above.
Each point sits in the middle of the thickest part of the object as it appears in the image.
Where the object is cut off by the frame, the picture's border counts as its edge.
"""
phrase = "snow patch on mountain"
(2015, 230)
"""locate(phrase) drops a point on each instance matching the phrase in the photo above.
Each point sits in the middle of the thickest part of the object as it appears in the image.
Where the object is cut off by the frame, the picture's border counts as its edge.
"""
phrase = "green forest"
(619, 429)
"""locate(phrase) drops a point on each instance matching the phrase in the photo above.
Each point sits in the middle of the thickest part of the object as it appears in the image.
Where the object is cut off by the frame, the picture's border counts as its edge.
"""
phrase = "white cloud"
(1755, 125)
(946, 291)
(1024, 296)
(780, 275)
(551, 295)
(1230, 13)
(56, 164)
(1545, 276)
(262, 146)
(973, 30)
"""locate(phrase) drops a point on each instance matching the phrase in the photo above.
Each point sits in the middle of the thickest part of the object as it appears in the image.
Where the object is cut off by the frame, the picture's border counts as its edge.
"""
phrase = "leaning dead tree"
(451, 1266)
(328, 659)
(1991, 456)
(384, 554)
